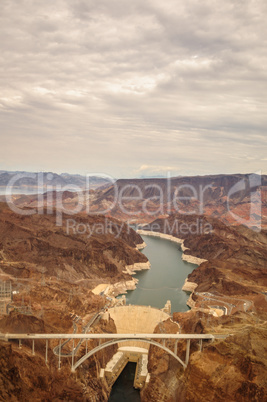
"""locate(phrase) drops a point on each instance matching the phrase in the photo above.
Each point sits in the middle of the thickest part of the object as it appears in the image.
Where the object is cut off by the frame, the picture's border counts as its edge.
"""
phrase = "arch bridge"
(111, 339)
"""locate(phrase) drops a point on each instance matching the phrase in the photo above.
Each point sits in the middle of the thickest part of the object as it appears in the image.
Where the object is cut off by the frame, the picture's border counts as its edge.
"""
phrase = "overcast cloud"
(131, 88)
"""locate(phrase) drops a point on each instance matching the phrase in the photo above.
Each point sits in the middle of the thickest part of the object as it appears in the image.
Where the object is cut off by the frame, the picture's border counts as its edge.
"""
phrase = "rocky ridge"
(234, 277)
(233, 280)
(33, 245)
(230, 198)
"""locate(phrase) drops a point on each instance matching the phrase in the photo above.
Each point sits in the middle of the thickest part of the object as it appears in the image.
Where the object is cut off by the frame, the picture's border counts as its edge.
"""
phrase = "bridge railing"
(8, 336)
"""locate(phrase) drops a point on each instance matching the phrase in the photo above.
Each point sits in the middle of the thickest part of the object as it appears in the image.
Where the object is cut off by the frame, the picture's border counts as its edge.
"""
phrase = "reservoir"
(162, 282)
(165, 279)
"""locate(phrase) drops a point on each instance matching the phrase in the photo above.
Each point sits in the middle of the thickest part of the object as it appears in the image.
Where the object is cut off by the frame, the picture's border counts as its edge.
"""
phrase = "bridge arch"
(114, 341)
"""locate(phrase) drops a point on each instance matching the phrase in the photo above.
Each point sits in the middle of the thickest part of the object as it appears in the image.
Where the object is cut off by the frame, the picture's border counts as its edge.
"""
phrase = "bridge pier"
(187, 352)
(33, 352)
(72, 356)
(59, 355)
(175, 347)
(46, 351)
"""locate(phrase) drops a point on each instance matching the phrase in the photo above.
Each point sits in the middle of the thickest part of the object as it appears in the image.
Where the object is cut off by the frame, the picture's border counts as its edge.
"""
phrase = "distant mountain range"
(34, 180)
(235, 198)
(223, 196)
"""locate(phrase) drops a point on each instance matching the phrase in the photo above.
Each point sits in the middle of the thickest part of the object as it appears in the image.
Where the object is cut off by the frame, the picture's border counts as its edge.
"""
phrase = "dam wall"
(132, 320)
(136, 319)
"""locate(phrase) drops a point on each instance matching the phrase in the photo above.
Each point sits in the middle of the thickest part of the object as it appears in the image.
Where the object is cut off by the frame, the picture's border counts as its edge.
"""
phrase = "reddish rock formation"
(231, 370)
(141, 200)
(42, 261)
(237, 257)
(95, 248)
(24, 377)
(234, 277)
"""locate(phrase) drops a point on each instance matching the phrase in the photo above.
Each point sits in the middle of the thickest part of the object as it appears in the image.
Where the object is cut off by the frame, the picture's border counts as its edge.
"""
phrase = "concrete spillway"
(135, 320)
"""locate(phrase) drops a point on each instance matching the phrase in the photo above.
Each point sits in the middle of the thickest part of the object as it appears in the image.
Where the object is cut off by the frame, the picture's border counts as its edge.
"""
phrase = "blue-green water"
(162, 282)
(165, 279)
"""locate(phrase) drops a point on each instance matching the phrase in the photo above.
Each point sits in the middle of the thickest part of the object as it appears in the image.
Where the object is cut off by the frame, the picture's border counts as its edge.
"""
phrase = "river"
(165, 279)
(162, 282)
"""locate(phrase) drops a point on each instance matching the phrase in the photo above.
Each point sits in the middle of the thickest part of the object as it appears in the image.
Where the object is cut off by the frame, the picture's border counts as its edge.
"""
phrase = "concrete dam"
(135, 320)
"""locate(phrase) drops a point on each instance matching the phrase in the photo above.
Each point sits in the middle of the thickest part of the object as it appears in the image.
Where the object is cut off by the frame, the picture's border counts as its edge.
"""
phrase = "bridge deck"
(113, 339)
(8, 336)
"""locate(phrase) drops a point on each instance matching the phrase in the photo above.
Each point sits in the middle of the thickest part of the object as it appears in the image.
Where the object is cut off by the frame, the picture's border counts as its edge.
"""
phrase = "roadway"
(8, 336)
(58, 348)
(220, 299)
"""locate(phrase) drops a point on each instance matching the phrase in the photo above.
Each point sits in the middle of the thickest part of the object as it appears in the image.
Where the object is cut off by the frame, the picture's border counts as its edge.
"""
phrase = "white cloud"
(115, 85)
(156, 168)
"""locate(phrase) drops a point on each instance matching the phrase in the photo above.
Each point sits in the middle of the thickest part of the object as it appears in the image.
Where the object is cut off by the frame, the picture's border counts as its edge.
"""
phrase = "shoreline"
(185, 257)
(187, 286)
(137, 266)
(140, 246)
(113, 290)
(121, 288)
(161, 235)
(193, 260)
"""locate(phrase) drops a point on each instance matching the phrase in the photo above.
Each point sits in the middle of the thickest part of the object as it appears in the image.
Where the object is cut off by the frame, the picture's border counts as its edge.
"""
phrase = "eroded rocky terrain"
(54, 273)
(234, 274)
(233, 279)
(89, 248)
(234, 369)
(24, 377)
(231, 198)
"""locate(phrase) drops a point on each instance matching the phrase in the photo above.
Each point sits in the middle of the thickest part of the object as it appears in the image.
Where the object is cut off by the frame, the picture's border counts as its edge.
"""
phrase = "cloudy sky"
(132, 88)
